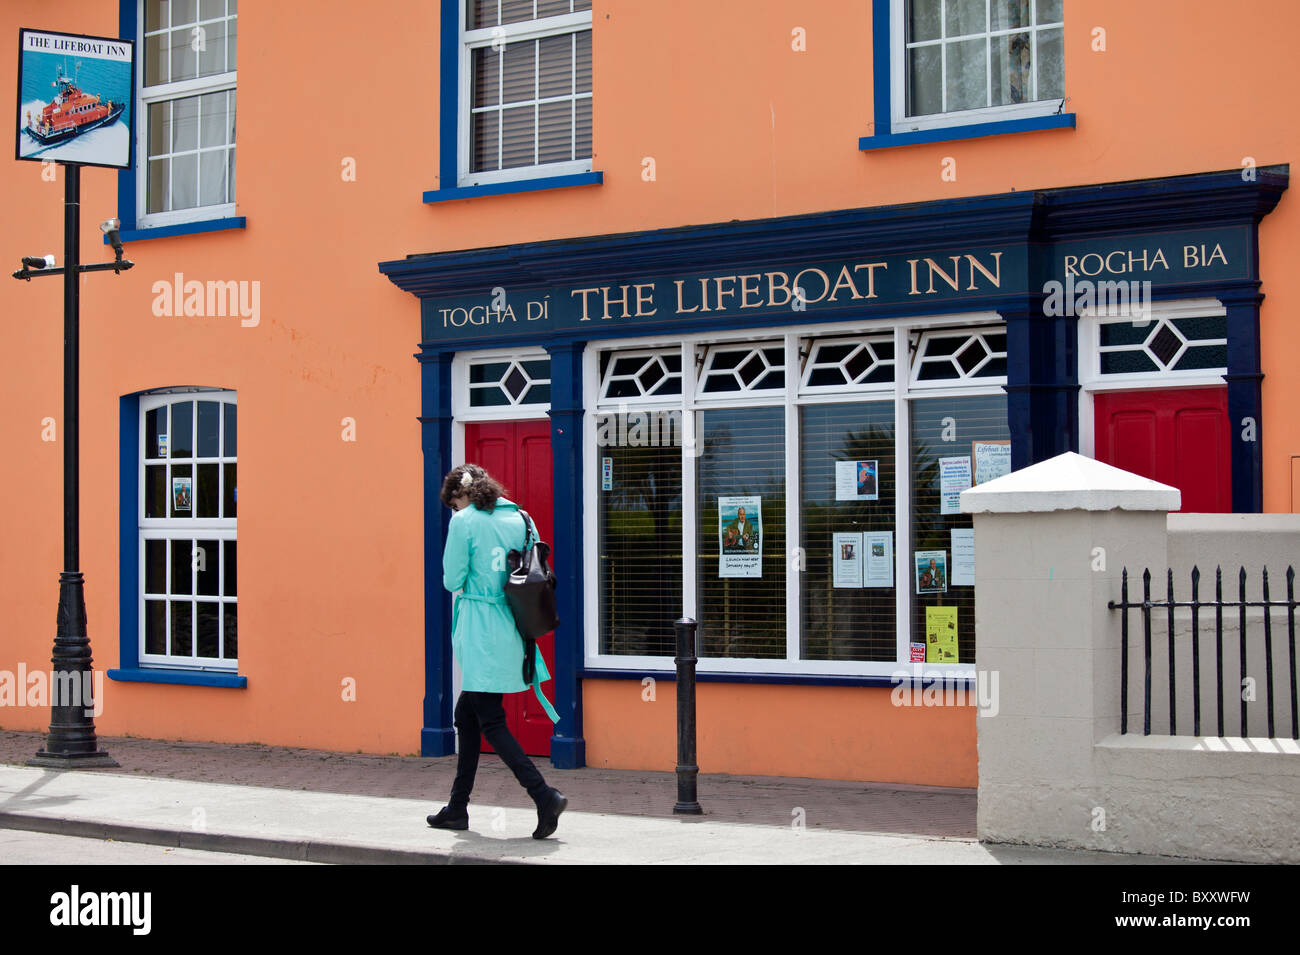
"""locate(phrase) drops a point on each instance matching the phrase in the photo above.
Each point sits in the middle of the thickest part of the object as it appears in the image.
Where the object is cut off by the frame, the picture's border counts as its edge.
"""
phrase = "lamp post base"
(96, 760)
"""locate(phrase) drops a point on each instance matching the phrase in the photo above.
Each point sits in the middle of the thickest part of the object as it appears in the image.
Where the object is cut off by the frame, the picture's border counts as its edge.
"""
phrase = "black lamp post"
(71, 743)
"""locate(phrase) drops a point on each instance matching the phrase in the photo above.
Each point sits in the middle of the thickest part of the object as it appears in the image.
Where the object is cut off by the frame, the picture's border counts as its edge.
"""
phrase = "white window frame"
(147, 96)
(508, 33)
(171, 528)
(902, 123)
(1091, 381)
(901, 392)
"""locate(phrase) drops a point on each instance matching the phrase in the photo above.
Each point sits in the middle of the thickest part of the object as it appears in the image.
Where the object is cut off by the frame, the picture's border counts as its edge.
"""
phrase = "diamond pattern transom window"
(1163, 345)
(640, 375)
(510, 383)
(735, 370)
(959, 355)
(839, 363)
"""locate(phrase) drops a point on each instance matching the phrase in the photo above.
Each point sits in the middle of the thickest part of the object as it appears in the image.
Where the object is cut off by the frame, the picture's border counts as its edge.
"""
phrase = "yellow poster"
(940, 634)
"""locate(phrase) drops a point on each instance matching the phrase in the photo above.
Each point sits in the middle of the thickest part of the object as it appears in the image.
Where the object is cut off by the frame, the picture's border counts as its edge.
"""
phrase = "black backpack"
(530, 592)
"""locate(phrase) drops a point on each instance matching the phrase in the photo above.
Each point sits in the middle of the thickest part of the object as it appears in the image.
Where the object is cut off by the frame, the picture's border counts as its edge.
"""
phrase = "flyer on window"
(740, 540)
(931, 571)
(181, 493)
(878, 547)
(992, 459)
(954, 477)
(940, 634)
(963, 556)
(857, 480)
(847, 554)
(74, 99)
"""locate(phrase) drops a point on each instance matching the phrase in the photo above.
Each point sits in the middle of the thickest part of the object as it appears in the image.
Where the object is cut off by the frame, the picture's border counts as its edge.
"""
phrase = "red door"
(1177, 436)
(518, 455)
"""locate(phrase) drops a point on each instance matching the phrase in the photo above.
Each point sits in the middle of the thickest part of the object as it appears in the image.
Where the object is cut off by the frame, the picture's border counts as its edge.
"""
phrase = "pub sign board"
(76, 95)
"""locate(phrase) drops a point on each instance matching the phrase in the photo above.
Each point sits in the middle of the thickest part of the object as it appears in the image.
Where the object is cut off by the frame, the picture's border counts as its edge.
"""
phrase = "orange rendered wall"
(755, 729)
(740, 126)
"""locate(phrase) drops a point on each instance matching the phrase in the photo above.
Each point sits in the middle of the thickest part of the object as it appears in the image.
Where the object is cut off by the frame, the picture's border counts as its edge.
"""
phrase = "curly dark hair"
(483, 491)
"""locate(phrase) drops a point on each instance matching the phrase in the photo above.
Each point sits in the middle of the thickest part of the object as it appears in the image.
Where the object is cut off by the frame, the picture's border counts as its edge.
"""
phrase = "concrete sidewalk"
(341, 808)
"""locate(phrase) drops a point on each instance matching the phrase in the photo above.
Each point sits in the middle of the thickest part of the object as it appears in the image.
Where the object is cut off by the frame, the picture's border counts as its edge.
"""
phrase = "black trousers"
(482, 713)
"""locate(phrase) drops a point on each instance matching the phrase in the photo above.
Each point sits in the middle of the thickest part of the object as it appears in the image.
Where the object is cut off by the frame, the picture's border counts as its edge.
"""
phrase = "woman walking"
(487, 645)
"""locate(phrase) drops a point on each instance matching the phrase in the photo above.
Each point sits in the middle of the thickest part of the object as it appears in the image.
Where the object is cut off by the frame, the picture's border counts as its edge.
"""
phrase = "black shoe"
(548, 813)
(446, 819)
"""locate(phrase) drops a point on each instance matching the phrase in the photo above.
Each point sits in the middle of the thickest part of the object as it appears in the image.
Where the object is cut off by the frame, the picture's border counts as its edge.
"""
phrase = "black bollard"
(687, 770)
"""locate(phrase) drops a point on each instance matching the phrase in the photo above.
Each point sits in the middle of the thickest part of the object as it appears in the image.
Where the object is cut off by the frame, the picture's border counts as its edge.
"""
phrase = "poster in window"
(162, 445)
(878, 551)
(740, 540)
(931, 571)
(181, 493)
(992, 459)
(75, 94)
(963, 556)
(940, 634)
(954, 477)
(857, 481)
(847, 553)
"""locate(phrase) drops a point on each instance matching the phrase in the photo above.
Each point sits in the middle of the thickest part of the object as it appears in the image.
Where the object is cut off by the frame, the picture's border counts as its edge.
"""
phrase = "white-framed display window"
(1172, 344)
(188, 537)
(956, 62)
(525, 90)
(186, 101)
(661, 475)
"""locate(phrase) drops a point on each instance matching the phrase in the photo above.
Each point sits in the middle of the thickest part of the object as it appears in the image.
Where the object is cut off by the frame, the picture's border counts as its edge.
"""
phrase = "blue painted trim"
(183, 677)
(181, 228)
(449, 95)
(881, 67)
(128, 546)
(514, 186)
(787, 679)
(127, 29)
(437, 733)
(972, 131)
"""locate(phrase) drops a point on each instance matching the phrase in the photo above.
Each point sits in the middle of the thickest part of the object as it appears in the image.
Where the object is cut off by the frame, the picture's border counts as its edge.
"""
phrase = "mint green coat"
(483, 635)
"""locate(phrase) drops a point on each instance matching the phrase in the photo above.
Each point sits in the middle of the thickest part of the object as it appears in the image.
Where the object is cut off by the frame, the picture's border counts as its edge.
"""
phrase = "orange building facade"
(650, 264)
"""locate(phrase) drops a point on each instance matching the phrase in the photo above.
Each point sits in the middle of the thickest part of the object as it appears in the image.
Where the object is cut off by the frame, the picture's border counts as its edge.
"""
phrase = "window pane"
(185, 181)
(160, 134)
(1012, 77)
(555, 133)
(155, 566)
(209, 624)
(211, 41)
(584, 62)
(924, 86)
(230, 491)
(640, 537)
(519, 76)
(182, 642)
(158, 185)
(485, 148)
(1049, 11)
(211, 9)
(182, 565)
(743, 457)
(184, 58)
(185, 123)
(155, 490)
(977, 418)
(230, 647)
(212, 177)
(1009, 14)
(555, 68)
(183, 11)
(552, 8)
(486, 76)
(181, 491)
(923, 20)
(157, 60)
(207, 496)
(1051, 64)
(155, 15)
(582, 147)
(848, 619)
(967, 79)
(518, 145)
(964, 17)
(229, 551)
(155, 423)
(209, 432)
(207, 566)
(155, 626)
(480, 13)
(216, 122)
(231, 412)
(182, 429)
(513, 11)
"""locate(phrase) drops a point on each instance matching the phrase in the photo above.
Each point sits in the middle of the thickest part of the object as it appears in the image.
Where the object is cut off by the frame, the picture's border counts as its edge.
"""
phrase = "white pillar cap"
(1069, 482)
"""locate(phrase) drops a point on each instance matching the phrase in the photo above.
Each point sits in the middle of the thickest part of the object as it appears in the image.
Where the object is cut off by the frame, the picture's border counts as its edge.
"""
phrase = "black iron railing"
(1151, 607)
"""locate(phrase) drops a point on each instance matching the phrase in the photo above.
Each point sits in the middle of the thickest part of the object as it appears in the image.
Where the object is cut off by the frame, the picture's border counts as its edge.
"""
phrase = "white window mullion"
(690, 442)
(793, 569)
(902, 495)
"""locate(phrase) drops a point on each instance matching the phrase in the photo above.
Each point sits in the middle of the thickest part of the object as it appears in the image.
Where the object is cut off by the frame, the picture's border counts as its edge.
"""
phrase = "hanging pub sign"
(75, 96)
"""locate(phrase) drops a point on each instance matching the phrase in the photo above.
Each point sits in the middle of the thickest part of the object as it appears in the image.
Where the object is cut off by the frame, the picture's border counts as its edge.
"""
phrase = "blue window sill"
(186, 677)
(795, 679)
(518, 185)
(973, 131)
(182, 228)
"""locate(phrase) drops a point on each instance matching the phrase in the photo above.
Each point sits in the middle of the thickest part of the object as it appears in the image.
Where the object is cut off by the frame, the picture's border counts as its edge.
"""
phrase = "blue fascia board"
(181, 228)
(791, 679)
(182, 677)
(514, 186)
(972, 131)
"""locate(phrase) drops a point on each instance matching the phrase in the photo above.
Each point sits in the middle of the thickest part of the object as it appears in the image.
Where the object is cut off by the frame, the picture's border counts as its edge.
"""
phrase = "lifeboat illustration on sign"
(71, 112)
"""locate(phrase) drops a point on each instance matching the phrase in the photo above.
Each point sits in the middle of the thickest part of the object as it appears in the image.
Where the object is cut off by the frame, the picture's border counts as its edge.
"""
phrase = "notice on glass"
(931, 571)
(857, 481)
(181, 493)
(607, 474)
(879, 568)
(848, 559)
(740, 542)
(992, 459)
(917, 651)
(940, 634)
(963, 557)
(954, 477)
